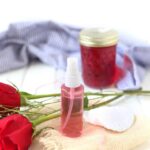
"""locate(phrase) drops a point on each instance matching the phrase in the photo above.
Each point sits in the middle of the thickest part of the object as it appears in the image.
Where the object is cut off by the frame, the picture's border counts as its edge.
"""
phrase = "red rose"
(15, 133)
(9, 96)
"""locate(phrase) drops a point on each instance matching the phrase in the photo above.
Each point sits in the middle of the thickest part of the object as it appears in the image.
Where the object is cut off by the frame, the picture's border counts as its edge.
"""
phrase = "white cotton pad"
(116, 118)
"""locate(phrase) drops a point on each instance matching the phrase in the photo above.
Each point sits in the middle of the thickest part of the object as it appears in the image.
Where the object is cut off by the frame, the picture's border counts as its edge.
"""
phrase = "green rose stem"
(56, 115)
(45, 118)
(92, 106)
(102, 103)
(32, 96)
(102, 94)
(114, 96)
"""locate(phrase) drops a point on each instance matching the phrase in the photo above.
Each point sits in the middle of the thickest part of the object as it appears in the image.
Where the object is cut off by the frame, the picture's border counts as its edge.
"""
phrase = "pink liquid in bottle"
(72, 111)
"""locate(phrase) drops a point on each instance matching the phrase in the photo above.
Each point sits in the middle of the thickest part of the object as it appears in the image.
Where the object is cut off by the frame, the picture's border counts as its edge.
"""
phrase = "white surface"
(40, 78)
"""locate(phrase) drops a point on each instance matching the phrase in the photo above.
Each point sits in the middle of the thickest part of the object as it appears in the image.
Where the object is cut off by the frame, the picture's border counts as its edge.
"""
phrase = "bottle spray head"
(72, 78)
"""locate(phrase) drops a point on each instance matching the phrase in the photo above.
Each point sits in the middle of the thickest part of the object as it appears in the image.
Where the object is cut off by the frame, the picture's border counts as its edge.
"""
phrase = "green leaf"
(86, 102)
(24, 98)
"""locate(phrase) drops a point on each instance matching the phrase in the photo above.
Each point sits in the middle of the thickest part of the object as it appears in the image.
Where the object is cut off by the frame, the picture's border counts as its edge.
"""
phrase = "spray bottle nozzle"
(72, 78)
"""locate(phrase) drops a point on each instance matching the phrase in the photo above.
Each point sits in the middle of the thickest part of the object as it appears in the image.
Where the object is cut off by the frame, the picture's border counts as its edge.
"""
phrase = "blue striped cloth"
(52, 43)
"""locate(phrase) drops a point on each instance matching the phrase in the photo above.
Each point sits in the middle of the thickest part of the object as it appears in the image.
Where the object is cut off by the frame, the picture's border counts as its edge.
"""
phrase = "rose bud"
(9, 96)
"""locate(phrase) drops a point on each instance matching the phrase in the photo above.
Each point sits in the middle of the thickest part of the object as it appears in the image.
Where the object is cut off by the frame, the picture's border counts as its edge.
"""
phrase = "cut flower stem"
(114, 96)
(45, 118)
(103, 94)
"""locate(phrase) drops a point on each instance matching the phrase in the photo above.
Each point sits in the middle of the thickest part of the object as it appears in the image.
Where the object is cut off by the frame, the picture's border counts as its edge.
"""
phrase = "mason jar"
(98, 56)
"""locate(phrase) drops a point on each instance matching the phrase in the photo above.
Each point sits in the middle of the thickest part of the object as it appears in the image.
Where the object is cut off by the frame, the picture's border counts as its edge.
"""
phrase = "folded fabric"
(52, 43)
(49, 42)
(133, 57)
(94, 137)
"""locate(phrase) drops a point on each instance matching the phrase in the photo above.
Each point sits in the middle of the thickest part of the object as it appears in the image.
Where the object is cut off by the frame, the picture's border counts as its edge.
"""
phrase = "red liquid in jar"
(74, 125)
(98, 65)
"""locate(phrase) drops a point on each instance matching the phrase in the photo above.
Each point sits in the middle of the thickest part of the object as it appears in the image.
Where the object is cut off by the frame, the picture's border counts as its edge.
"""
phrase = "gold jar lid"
(98, 37)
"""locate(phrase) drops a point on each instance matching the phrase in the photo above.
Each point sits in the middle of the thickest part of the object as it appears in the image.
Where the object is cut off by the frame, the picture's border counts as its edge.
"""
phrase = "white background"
(130, 16)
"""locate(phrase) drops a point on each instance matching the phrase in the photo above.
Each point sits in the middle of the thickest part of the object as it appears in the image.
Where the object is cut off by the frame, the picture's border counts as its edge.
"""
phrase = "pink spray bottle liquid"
(72, 93)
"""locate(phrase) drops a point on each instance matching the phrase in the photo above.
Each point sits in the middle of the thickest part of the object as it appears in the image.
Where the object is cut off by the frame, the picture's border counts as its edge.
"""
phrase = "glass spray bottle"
(72, 93)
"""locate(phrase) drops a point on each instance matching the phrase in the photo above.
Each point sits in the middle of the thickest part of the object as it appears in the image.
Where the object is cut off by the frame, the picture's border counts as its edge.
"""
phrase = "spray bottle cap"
(72, 78)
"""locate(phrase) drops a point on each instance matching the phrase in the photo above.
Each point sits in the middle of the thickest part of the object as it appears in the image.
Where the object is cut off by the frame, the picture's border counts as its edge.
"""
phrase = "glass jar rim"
(98, 37)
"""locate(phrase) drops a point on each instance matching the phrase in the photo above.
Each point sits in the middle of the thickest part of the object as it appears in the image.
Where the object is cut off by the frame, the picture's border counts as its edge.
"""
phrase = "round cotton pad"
(116, 118)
